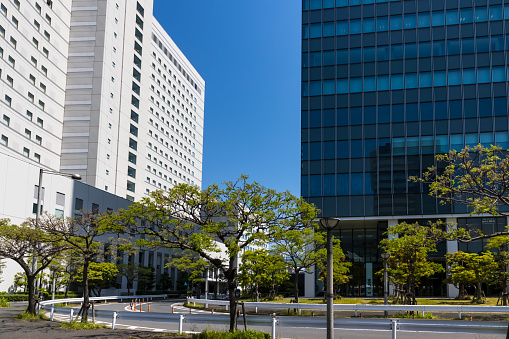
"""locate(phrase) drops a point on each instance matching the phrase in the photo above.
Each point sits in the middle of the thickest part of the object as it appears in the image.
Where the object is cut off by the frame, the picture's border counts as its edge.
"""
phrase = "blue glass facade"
(387, 85)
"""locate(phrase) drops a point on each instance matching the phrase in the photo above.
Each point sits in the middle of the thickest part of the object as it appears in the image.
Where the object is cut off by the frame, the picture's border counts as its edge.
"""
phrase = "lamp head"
(329, 223)
(76, 177)
(385, 256)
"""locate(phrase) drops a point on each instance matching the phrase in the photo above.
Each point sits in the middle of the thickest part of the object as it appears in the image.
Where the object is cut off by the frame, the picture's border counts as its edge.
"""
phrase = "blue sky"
(248, 52)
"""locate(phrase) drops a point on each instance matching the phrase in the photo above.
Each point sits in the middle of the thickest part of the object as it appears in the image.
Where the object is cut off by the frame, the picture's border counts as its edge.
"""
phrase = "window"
(35, 42)
(107, 172)
(136, 74)
(8, 100)
(14, 21)
(109, 125)
(26, 152)
(34, 61)
(116, 20)
(45, 52)
(5, 140)
(134, 130)
(78, 204)
(140, 9)
(1, 52)
(40, 122)
(138, 48)
(10, 81)
(111, 95)
(31, 97)
(14, 43)
(133, 144)
(111, 110)
(115, 35)
(47, 35)
(109, 141)
(12, 61)
(44, 70)
(112, 79)
(48, 19)
(38, 7)
(132, 158)
(38, 139)
(43, 87)
(139, 22)
(130, 186)
(30, 116)
(38, 159)
(134, 116)
(114, 50)
(113, 64)
(6, 120)
(138, 35)
(137, 61)
(37, 25)
(105, 188)
(107, 156)
(16, 3)
(28, 134)
(3, 9)
(42, 104)
(2, 32)
(32, 79)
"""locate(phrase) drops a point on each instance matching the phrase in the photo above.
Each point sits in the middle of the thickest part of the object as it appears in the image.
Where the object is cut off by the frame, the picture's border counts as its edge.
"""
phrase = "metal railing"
(359, 307)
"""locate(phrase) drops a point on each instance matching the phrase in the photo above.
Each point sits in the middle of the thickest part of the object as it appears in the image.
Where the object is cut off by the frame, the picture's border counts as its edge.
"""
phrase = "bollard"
(53, 310)
(190, 310)
(459, 314)
(394, 328)
(172, 310)
(114, 320)
(181, 320)
(141, 305)
(422, 314)
(212, 311)
(274, 322)
(470, 318)
(355, 313)
(72, 314)
(256, 309)
(148, 308)
(300, 311)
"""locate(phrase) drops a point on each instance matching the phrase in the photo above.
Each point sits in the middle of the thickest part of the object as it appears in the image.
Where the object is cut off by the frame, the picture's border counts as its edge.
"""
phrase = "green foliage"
(417, 315)
(231, 335)
(20, 280)
(146, 279)
(341, 268)
(501, 276)
(82, 326)
(166, 282)
(100, 276)
(191, 263)
(2, 266)
(4, 302)
(29, 316)
(471, 268)
(261, 269)
(217, 223)
(409, 246)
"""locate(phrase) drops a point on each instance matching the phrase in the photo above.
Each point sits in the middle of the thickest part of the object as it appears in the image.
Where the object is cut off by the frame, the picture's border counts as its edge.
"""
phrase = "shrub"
(231, 335)
(4, 303)
(28, 316)
(78, 325)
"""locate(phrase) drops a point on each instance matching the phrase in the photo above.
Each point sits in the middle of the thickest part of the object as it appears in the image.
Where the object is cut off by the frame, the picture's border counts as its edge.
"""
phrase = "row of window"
(406, 81)
(437, 48)
(367, 148)
(407, 21)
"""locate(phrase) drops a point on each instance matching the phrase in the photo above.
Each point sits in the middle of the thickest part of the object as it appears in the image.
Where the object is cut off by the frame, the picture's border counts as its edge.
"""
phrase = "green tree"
(86, 238)
(146, 279)
(261, 268)
(20, 280)
(409, 246)
(341, 268)
(501, 276)
(130, 272)
(472, 268)
(165, 282)
(190, 263)
(101, 275)
(21, 243)
(216, 223)
(302, 249)
(2, 266)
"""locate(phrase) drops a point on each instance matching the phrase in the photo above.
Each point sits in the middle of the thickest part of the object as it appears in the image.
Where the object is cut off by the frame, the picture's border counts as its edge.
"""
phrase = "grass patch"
(416, 315)
(78, 325)
(380, 301)
(4, 303)
(231, 335)
(28, 316)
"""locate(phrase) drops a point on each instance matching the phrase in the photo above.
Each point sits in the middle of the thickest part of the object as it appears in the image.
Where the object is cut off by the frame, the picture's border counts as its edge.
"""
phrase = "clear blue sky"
(248, 52)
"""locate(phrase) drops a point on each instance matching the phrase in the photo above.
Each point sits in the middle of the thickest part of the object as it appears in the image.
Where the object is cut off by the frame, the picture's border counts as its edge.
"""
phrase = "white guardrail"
(393, 325)
(359, 307)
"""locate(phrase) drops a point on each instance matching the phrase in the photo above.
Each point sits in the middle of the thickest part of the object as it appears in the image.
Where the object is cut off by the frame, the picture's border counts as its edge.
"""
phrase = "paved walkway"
(12, 328)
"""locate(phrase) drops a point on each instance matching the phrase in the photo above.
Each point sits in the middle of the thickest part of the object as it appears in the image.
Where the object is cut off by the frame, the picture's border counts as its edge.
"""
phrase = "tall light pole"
(385, 256)
(38, 210)
(329, 224)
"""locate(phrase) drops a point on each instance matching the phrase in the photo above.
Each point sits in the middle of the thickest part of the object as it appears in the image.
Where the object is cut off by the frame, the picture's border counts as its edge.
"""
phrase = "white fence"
(356, 307)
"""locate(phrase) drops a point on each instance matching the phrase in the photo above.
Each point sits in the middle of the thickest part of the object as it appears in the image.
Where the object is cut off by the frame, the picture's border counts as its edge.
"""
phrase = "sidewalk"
(12, 328)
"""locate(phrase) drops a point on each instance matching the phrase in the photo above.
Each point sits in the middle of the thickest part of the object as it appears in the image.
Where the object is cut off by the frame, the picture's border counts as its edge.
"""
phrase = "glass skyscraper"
(387, 85)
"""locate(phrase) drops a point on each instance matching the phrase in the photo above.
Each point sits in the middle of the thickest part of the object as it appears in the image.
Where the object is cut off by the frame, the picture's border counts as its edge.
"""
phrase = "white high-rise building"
(98, 88)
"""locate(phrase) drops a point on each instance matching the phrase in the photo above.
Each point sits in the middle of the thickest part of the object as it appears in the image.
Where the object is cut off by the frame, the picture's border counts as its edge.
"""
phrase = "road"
(289, 327)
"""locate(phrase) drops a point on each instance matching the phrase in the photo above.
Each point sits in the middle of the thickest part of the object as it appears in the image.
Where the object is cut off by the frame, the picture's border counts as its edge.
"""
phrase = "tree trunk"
(86, 293)
(296, 286)
(504, 294)
(478, 294)
(31, 294)
(257, 293)
(232, 286)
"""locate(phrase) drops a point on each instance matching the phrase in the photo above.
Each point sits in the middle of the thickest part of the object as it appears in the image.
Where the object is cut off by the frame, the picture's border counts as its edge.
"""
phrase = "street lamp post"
(38, 210)
(329, 224)
(385, 256)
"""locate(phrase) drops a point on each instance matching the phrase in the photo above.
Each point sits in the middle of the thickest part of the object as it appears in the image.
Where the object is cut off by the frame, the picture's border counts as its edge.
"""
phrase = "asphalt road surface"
(300, 327)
